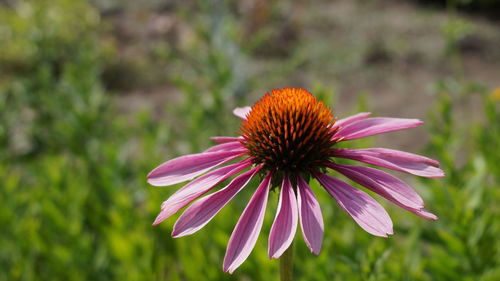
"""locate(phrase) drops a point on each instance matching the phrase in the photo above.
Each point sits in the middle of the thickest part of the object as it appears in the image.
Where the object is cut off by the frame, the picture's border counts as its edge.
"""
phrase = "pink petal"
(202, 211)
(387, 186)
(351, 119)
(382, 183)
(226, 139)
(374, 126)
(285, 222)
(393, 159)
(228, 146)
(247, 229)
(363, 209)
(242, 112)
(198, 187)
(187, 167)
(311, 219)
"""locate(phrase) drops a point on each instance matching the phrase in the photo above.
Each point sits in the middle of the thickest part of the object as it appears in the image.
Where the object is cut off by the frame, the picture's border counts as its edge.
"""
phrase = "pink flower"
(288, 136)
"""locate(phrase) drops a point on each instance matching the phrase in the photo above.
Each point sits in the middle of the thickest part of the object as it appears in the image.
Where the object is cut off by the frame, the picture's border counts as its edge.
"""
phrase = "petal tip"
(228, 270)
(386, 234)
(277, 253)
(150, 174)
(149, 177)
(151, 181)
(162, 216)
(432, 217)
(229, 267)
(315, 252)
(242, 112)
(274, 256)
(437, 173)
(156, 222)
(442, 174)
(176, 233)
(155, 182)
(416, 122)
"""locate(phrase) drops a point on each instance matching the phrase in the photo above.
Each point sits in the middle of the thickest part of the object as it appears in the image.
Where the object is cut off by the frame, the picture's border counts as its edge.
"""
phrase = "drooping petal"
(226, 139)
(228, 146)
(387, 186)
(247, 229)
(373, 126)
(198, 187)
(202, 211)
(311, 219)
(351, 119)
(187, 167)
(363, 209)
(242, 112)
(285, 222)
(381, 183)
(393, 159)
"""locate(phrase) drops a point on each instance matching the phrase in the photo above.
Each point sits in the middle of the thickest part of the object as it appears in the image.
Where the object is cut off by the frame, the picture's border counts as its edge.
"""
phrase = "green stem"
(286, 265)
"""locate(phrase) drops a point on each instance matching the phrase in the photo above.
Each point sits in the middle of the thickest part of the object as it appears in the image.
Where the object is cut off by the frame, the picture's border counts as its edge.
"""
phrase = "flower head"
(289, 130)
(290, 136)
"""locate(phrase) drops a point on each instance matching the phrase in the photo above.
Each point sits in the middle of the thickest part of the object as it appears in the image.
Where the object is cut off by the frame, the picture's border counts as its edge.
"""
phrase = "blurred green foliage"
(51, 95)
(75, 205)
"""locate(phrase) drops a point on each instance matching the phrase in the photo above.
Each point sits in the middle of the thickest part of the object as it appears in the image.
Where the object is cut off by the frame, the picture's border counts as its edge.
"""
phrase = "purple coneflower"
(288, 137)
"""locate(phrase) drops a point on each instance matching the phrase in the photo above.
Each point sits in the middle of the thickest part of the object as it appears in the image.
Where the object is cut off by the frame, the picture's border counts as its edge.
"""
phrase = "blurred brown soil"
(391, 52)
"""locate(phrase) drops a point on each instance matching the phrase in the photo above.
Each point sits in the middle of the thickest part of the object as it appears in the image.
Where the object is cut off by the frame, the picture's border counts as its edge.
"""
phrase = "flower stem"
(286, 265)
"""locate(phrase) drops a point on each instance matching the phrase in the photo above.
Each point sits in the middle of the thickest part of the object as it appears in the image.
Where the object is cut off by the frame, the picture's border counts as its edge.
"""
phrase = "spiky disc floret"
(289, 130)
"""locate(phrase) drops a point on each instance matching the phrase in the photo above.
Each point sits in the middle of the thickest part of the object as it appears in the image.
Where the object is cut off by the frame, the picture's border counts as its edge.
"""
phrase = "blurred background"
(94, 94)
